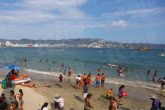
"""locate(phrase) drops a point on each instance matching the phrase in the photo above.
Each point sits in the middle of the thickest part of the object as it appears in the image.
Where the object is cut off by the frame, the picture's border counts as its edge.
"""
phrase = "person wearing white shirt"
(58, 102)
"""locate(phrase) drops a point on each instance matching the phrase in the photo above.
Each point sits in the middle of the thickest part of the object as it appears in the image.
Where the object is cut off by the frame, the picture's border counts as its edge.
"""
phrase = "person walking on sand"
(45, 106)
(78, 78)
(58, 102)
(102, 80)
(60, 80)
(156, 104)
(88, 103)
(85, 90)
(89, 77)
(121, 93)
(13, 100)
(20, 97)
(162, 81)
(113, 103)
(108, 93)
(98, 80)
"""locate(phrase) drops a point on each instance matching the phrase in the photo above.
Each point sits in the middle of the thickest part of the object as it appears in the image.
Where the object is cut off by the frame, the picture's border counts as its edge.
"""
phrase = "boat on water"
(162, 54)
(143, 49)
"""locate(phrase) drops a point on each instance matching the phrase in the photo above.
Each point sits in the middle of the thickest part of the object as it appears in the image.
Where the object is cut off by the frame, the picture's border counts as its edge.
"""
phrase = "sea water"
(85, 60)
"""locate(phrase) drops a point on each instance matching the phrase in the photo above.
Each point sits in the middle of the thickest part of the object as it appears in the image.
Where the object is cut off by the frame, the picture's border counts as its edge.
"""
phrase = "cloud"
(120, 23)
(136, 12)
(32, 11)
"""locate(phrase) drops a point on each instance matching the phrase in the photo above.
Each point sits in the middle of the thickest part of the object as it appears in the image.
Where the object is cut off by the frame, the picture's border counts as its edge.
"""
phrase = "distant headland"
(78, 43)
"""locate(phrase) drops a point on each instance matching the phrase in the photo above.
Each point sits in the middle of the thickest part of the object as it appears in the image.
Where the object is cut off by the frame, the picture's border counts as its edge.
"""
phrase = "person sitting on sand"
(20, 97)
(89, 78)
(45, 106)
(121, 93)
(85, 90)
(102, 80)
(156, 104)
(113, 103)
(108, 93)
(58, 102)
(98, 80)
(88, 103)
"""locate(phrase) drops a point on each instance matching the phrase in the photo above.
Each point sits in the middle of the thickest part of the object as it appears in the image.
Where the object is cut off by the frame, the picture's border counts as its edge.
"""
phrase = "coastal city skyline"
(129, 21)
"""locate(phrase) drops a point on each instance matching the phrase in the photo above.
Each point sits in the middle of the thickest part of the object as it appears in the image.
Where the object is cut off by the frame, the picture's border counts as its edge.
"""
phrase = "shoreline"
(114, 80)
(138, 98)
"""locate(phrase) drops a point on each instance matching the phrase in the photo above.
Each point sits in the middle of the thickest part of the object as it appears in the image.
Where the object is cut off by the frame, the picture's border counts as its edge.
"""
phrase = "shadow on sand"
(78, 98)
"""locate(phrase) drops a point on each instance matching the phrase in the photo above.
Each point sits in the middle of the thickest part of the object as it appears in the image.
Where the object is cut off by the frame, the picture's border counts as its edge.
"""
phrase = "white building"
(20, 45)
(8, 43)
(0, 44)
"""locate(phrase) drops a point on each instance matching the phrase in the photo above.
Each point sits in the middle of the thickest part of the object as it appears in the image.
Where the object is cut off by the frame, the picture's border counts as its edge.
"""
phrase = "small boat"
(19, 80)
(162, 54)
(143, 49)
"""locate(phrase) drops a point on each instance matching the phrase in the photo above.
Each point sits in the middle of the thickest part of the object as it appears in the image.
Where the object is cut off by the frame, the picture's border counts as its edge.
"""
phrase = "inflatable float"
(19, 80)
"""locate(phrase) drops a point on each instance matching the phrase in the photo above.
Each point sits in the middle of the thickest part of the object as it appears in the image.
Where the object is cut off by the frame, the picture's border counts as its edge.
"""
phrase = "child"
(20, 97)
(121, 93)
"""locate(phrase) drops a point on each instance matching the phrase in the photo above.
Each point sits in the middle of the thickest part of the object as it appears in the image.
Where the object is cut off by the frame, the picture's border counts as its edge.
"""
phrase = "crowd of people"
(15, 103)
(82, 82)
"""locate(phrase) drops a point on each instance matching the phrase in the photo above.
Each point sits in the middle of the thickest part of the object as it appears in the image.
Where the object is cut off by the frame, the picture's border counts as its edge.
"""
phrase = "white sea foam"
(118, 81)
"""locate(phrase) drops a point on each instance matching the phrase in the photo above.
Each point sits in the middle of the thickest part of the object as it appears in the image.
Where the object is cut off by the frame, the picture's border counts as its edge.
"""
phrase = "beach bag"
(3, 86)
(124, 93)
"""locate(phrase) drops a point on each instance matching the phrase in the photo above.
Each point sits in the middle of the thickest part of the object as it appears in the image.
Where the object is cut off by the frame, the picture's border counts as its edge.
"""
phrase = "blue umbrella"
(13, 67)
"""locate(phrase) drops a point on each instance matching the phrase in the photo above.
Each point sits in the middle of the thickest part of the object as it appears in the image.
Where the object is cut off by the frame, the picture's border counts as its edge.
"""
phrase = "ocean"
(85, 60)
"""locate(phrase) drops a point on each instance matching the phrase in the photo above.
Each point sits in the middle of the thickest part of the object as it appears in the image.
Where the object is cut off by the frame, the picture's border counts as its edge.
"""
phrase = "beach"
(138, 98)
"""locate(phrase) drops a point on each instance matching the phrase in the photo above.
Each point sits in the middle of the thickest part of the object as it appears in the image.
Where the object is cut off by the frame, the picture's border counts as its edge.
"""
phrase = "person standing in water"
(148, 74)
(88, 103)
(69, 72)
(98, 80)
(102, 80)
(62, 68)
(154, 76)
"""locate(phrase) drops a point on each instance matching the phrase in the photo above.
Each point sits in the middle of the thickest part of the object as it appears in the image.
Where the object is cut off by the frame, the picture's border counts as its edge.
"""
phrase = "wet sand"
(137, 99)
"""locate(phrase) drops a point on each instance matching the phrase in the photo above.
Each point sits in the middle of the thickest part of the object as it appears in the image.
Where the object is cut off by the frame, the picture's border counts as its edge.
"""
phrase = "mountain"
(86, 43)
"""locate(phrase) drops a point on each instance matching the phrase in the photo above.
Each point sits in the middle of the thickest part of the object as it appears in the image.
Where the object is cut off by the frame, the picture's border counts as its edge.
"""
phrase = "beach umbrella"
(13, 67)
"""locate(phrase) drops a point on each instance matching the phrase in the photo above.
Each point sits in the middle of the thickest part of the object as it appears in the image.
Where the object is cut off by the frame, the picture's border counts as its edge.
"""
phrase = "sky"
(114, 20)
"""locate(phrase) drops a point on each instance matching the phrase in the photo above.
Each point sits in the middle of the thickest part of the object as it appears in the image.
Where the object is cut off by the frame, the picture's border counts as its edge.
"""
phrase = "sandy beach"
(137, 99)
